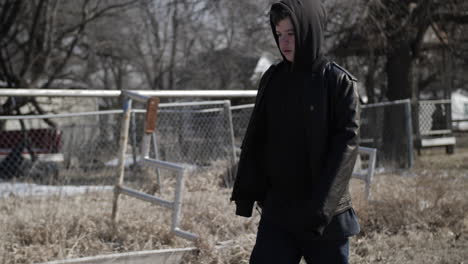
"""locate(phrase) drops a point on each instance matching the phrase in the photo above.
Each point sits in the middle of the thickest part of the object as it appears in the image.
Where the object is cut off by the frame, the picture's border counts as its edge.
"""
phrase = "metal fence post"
(370, 172)
(156, 156)
(409, 132)
(227, 107)
(134, 141)
(124, 131)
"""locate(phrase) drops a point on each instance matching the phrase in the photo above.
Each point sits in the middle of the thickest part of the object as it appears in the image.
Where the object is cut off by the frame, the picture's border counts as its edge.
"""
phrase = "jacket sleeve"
(261, 89)
(244, 185)
(342, 151)
(244, 208)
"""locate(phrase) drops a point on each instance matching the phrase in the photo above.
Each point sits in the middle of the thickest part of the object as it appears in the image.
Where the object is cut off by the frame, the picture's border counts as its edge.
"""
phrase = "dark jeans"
(276, 245)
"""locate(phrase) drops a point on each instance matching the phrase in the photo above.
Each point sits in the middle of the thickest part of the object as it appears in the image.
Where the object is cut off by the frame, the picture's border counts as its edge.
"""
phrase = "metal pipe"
(156, 156)
(146, 197)
(409, 132)
(133, 140)
(227, 107)
(361, 176)
(211, 110)
(366, 150)
(404, 101)
(64, 115)
(370, 171)
(135, 96)
(162, 164)
(178, 200)
(59, 93)
(145, 144)
(199, 103)
(116, 93)
(239, 107)
(185, 234)
(176, 214)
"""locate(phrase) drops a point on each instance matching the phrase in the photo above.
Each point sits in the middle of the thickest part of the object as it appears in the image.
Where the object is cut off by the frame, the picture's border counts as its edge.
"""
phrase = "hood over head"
(308, 18)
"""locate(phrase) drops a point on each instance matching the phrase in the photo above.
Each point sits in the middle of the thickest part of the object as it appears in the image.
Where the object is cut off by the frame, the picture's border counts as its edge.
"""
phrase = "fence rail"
(116, 93)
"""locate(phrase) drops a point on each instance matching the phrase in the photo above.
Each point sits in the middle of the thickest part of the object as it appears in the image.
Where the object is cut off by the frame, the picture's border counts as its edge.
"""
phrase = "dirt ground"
(416, 216)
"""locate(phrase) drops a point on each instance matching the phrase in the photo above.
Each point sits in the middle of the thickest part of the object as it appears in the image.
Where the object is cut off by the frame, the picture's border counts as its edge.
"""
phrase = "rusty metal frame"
(150, 126)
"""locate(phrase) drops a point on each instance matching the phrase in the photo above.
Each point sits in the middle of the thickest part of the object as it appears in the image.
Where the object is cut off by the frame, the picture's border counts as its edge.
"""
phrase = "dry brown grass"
(413, 219)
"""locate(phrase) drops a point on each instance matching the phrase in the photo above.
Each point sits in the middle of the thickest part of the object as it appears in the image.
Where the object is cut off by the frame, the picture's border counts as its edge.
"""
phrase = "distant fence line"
(197, 133)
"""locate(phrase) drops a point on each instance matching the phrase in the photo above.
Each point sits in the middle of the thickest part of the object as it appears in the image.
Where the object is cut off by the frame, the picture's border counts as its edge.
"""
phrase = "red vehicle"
(42, 142)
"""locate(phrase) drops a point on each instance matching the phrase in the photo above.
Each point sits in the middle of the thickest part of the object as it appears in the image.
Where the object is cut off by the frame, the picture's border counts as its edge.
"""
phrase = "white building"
(460, 109)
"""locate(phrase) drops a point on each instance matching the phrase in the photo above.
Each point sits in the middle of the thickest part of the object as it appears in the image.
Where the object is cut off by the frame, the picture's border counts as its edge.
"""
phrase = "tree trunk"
(399, 86)
(175, 32)
(370, 78)
(399, 65)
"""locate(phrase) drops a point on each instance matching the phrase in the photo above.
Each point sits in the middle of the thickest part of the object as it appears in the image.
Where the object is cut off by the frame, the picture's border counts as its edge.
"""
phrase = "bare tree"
(41, 42)
(400, 48)
(395, 31)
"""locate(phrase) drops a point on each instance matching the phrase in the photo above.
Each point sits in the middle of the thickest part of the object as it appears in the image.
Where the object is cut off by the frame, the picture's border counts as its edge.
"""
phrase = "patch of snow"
(29, 189)
(128, 161)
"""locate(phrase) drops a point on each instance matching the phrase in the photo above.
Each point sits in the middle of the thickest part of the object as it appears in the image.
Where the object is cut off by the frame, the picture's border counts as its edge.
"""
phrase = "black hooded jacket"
(330, 123)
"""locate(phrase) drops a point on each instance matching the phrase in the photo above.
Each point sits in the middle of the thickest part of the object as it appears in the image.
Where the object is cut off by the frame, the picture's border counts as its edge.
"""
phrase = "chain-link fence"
(197, 134)
(434, 125)
(434, 117)
(82, 148)
(191, 133)
(240, 119)
(385, 126)
(63, 148)
(388, 128)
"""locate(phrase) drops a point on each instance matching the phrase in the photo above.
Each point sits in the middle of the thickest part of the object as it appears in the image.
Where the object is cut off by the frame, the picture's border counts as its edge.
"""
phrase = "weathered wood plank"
(164, 256)
(434, 142)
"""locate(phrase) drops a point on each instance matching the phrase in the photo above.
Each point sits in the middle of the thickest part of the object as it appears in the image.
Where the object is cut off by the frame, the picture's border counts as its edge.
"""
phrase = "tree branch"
(461, 18)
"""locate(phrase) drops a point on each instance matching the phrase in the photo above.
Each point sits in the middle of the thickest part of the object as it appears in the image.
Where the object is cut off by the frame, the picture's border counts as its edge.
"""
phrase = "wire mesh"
(83, 149)
(195, 134)
(434, 117)
(240, 119)
(60, 149)
(388, 128)
(383, 126)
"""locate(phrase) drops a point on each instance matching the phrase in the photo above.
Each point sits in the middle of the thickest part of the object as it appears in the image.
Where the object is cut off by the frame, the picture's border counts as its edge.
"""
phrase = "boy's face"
(286, 38)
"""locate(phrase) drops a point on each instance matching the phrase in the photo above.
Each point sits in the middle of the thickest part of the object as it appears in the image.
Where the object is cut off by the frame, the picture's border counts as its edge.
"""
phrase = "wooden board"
(434, 142)
(164, 256)
(151, 114)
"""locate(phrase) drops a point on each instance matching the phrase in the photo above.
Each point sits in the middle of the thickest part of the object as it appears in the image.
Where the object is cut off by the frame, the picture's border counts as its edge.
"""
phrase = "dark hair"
(278, 12)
